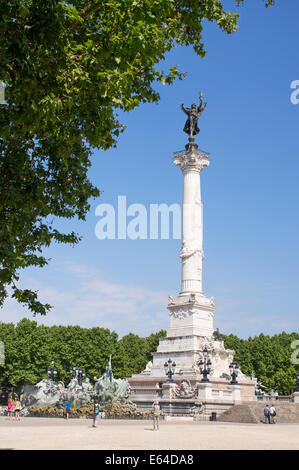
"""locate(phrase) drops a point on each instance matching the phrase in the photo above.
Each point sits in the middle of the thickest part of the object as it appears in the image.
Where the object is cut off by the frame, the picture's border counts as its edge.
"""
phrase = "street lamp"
(169, 368)
(81, 375)
(73, 372)
(296, 379)
(205, 366)
(77, 373)
(234, 371)
(52, 371)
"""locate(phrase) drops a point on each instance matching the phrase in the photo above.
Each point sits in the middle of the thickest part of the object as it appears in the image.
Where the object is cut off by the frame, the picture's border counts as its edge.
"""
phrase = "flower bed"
(115, 411)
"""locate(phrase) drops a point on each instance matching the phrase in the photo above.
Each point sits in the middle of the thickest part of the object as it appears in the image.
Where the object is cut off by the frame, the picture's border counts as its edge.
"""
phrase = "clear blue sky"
(249, 192)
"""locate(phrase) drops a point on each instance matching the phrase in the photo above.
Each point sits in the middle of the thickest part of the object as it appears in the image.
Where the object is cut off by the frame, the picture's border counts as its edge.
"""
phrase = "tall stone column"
(191, 313)
(192, 230)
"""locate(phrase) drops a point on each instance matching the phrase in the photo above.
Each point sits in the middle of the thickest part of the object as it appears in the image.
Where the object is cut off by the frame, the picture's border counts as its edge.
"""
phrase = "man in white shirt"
(272, 414)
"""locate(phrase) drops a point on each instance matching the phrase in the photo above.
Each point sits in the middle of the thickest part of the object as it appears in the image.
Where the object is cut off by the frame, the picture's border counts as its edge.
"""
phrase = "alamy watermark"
(295, 94)
(160, 221)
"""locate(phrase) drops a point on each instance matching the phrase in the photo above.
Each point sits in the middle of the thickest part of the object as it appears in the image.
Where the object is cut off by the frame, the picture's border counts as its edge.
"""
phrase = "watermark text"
(160, 221)
(295, 94)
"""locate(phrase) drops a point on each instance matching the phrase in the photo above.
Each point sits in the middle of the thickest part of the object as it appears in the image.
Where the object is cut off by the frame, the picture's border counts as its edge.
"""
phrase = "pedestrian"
(276, 395)
(67, 409)
(156, 414)
(96, 413)
(159, 390)
(17, 408)
(272, 412)
(267, 414)
(9, 408)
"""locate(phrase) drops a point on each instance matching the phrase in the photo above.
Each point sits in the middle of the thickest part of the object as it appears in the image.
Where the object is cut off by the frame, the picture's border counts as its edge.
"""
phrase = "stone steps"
(254, 413)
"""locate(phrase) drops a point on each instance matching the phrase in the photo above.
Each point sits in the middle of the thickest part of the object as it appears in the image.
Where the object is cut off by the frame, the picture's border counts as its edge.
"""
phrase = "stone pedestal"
(167, 390)
(296, 397)
(205, 391)
(236, 393)
(186, 351)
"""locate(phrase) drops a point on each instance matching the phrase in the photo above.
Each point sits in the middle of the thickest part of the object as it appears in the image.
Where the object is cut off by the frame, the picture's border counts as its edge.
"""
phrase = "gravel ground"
(56, 433)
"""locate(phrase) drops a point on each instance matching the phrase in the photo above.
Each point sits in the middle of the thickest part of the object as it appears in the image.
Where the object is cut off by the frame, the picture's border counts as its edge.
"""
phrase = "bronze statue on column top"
(191, 126)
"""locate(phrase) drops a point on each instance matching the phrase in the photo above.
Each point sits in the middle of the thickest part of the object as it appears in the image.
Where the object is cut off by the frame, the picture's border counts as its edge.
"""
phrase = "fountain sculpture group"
(107, 390)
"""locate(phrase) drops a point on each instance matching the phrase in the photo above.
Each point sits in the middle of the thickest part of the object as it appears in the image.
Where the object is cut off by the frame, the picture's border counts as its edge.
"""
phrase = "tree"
(29, 349)
(153, 342)
(27, 353)
(134, 351)
(268, 358)
(67, 68)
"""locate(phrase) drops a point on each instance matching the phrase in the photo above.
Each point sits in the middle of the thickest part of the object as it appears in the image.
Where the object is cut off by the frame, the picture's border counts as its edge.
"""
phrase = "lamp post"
(52, 371)
(234, 371)
(205, 366)
(77, 373)
(169, 368)
(73, 372)
(296, 379)
(81, 375)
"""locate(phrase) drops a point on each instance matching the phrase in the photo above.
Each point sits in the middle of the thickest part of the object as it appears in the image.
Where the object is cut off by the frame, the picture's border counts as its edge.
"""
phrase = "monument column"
(191, 332)
(191, 252)
(191, 313)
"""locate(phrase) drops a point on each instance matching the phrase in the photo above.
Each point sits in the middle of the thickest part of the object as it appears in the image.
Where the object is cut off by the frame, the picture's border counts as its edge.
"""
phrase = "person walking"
(272, 413)
(267, 414)
(18, 408)
(96, 413)
(156, 414)
(67, 409)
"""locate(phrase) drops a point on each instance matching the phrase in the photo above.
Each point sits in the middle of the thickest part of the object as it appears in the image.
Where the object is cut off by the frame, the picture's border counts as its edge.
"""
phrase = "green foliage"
(267, 358)
(67, 68)
(29, 349)
(153, 342)
(136, 351)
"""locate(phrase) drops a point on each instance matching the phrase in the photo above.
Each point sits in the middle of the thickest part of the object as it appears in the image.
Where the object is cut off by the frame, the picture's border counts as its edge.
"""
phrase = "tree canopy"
(267, 358)
(29, 348)
(68, 67)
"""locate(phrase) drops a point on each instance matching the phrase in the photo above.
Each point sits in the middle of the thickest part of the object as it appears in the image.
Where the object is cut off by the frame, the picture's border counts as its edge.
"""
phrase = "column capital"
(191, 159)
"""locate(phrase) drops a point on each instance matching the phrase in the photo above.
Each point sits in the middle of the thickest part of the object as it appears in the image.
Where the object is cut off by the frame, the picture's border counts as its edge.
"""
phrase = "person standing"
(272, 413)
(159, 390)
(18, 408)
(267, 414)
(9, 408)
(96, 413)
(67, 409)
(156, 413)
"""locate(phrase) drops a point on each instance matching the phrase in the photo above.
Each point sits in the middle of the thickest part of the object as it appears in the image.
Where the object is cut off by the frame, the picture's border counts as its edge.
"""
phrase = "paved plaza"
(55, 433)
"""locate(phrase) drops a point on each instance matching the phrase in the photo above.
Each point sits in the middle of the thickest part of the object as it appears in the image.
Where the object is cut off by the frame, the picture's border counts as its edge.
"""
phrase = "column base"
(191, 314)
